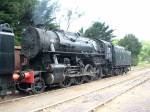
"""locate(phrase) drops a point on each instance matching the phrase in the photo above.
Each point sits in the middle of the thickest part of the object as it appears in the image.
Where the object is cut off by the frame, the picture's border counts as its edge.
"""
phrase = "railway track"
(95, 108)
(89, 102)
(24, 103)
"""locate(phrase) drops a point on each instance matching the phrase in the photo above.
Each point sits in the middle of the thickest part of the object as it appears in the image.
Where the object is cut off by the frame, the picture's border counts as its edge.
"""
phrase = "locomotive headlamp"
(15, 77)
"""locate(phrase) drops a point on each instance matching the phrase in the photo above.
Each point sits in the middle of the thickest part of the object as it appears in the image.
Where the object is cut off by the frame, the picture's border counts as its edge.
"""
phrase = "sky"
(124, 16)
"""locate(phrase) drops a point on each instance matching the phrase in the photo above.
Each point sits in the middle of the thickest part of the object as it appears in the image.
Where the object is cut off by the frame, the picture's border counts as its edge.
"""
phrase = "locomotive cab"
(107, 47)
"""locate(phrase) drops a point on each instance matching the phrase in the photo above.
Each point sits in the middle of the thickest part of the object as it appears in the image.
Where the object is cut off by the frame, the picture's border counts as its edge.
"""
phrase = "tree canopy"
(22, 13)
(144, 55)
(17, 12)
(131, 43)
(100, 31)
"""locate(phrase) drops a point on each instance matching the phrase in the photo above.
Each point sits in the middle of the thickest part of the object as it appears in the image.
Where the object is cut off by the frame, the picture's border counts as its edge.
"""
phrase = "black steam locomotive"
(6, 57)
(64, 58)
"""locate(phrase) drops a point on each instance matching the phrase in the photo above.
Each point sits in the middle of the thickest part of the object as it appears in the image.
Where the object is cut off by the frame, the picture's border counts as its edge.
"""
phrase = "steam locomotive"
(56, 57)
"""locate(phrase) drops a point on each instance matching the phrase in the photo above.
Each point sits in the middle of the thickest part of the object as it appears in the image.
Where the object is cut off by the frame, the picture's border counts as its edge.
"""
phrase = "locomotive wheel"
(85, 79)
(121, 71)
(89, 70)
(112, 73)
(78, 80)
(90, 78)
(98, 74)
(66, 83)
(20, 91)
(73, 81)
(115, 72)
(125, 70)
(38, 86)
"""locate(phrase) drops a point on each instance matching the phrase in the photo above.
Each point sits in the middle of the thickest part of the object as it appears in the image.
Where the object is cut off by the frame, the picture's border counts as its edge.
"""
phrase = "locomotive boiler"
(56, 57)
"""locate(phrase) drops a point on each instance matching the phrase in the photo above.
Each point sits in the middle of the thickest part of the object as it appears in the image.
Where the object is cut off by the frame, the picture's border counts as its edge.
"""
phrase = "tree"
(9, 11)
(144, 55)
(18, 13)
(115, 41)
(68, 16)
(131, 43)
(27, 9)
(22, 13)
(100, 31)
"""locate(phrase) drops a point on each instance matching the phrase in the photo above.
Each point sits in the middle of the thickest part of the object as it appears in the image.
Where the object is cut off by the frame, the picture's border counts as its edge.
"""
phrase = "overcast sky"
(124, 16)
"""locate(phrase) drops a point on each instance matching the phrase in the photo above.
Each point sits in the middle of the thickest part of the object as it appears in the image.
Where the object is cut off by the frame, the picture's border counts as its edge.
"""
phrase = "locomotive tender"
(55, 57)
